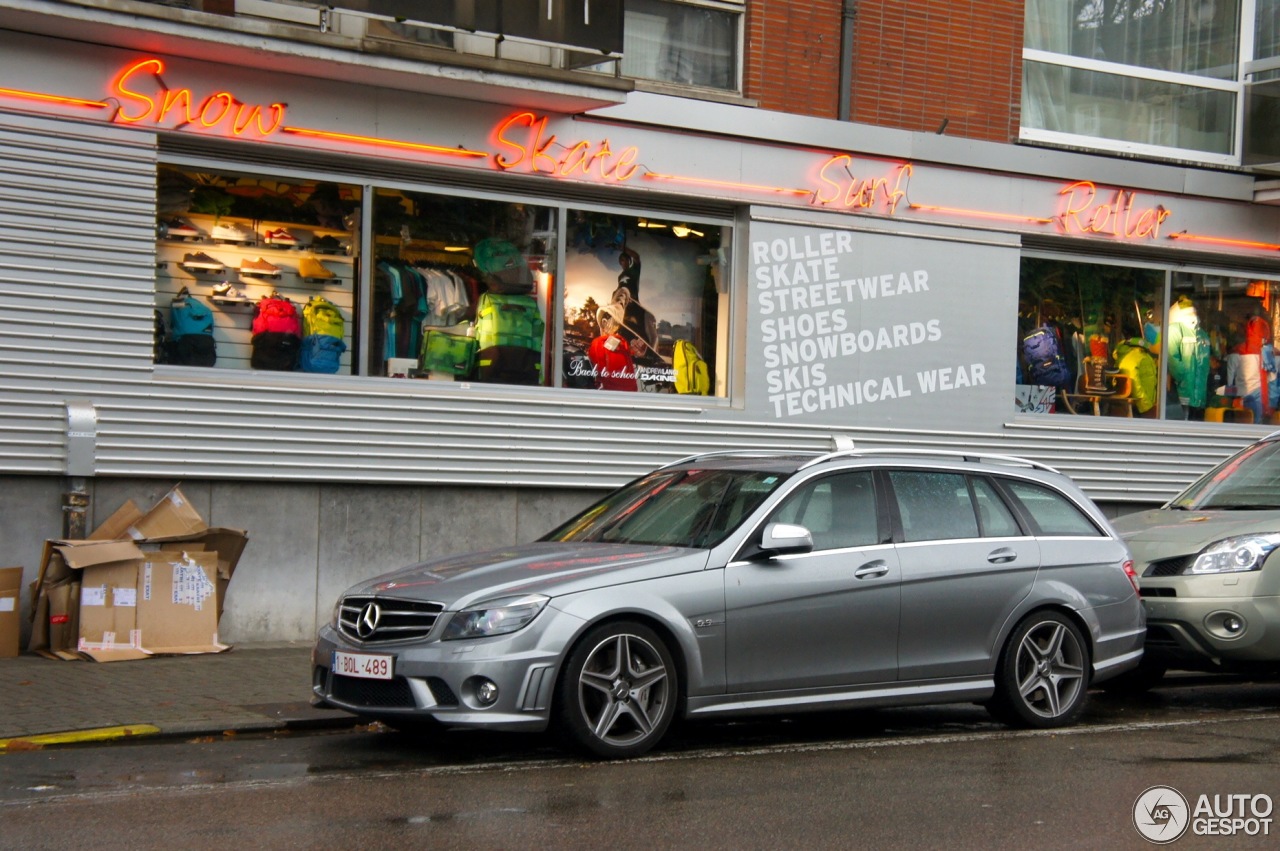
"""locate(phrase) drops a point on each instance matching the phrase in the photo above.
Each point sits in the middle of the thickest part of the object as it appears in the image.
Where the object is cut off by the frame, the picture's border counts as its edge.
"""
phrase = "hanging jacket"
(1134, 361)
(1188, 346)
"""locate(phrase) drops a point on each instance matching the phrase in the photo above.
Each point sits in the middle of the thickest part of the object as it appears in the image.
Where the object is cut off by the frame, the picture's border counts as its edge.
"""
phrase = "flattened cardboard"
(117, 525)
(55, 631)
(109, 612)
(10, 596)
(170, 519)
(177, 603)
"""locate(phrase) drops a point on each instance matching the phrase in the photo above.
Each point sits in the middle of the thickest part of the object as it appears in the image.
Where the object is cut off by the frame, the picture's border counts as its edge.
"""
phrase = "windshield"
(678, 508)
(1247, 481)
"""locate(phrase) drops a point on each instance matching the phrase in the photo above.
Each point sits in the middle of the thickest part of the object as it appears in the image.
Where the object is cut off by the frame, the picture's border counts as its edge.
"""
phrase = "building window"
(1117, 341)
(689, 44)
(261, 273)
(1161, 78)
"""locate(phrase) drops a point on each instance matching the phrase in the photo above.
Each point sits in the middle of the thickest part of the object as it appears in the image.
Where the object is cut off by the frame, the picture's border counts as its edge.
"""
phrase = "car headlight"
(495, 617)
(1235, 555)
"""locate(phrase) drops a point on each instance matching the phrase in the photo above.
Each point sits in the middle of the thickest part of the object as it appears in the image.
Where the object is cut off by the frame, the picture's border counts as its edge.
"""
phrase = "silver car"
(1208, 569)
(755, 582)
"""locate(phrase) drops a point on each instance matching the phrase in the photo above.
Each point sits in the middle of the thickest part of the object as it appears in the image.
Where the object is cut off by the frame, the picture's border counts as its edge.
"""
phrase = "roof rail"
(745, 453)
(1012, 460)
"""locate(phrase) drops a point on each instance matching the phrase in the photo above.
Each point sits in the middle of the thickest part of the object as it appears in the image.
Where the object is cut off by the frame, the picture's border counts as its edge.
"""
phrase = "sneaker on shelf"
(280, 236)
(200, 260)
(310, 267)
(258, 267)
(179, 228)
(228, 290)
(231, 232)
(326, 244)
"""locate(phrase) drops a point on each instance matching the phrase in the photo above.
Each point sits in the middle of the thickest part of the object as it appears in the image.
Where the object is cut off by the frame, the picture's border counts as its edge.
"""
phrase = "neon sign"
(842, 189)
(144, 98)
(1117, 217)
(526, 147)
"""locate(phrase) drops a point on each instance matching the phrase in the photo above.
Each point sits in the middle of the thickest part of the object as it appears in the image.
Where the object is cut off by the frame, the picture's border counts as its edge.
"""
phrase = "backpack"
(321, 353)
(321, 316)
(276, 314)
(163, 345)
(191, 332)
(1043, 354)
(275, 350)
(692, 375)
(504, 268)
(449, 353)
(509, 330)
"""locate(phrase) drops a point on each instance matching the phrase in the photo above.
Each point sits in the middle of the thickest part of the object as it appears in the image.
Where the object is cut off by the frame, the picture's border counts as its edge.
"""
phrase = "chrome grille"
(395, 620)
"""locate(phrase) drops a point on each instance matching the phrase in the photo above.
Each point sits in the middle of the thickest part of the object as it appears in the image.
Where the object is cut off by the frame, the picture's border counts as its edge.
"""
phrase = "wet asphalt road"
(921, 778)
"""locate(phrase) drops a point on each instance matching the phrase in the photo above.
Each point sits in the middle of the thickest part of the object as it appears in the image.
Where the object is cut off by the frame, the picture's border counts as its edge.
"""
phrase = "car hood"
(1164, 533)
(549, 568)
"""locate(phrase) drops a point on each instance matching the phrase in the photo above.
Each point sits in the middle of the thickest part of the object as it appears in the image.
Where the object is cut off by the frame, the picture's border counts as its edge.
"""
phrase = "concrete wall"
(307, 542)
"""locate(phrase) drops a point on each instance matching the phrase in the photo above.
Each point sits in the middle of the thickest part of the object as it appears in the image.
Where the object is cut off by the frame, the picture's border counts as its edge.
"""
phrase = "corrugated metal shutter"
(77, 225)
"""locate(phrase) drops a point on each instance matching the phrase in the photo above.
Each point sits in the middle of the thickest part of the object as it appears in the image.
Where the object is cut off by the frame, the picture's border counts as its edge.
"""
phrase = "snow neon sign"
(143, 97)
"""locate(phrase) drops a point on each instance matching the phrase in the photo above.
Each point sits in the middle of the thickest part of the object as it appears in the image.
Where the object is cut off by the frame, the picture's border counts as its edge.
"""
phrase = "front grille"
(1158, 636)
(355, 691)
(1169, 567)
(393, 619)
(1159, 592)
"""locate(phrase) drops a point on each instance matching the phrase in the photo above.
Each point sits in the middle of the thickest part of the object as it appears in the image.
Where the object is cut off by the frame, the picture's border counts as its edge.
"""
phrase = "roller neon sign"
(1118, 216)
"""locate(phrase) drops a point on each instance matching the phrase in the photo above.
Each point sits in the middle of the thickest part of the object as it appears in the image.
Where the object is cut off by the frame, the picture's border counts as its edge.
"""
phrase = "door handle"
(872, 570)
(1002, 556)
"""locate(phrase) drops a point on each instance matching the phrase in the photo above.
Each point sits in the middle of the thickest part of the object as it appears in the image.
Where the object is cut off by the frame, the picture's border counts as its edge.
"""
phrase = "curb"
(39, 741)
(73, 737)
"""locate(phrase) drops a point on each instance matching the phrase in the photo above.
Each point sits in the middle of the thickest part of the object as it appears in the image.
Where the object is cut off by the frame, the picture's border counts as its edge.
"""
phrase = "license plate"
(362, 665)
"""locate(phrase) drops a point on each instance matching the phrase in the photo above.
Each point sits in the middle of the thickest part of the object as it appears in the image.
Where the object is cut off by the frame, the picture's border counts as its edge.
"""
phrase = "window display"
(1097, 339)
(241, 254)
(642, 304)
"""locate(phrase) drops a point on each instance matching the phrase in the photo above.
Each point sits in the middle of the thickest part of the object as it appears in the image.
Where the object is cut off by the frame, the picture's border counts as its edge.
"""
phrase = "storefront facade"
(525, 306)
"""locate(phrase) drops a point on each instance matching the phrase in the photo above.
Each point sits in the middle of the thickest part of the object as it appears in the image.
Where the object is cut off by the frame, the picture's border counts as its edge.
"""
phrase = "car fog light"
(1232, 624)
(487, 692)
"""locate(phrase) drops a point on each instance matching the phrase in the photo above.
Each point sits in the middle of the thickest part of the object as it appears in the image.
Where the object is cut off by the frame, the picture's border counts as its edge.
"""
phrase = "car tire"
(1042, 678)
(618, 692)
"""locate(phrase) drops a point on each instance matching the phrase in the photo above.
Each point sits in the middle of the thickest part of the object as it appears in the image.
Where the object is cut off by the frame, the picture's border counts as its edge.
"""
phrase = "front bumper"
(438, 680)
(1189, 620)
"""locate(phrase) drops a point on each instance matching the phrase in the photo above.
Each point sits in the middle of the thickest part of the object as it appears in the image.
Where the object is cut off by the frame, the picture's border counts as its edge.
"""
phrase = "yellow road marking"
(100, 734)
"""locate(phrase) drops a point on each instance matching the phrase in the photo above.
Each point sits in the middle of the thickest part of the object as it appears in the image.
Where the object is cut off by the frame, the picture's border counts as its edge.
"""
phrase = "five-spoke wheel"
(1043, 676)
(618, 692)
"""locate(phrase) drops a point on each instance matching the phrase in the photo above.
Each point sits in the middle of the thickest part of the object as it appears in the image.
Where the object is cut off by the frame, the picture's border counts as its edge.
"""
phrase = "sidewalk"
(250, 687)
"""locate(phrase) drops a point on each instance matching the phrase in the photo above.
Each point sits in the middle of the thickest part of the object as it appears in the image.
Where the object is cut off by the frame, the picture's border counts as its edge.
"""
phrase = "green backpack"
(321, 316)
(509, 331)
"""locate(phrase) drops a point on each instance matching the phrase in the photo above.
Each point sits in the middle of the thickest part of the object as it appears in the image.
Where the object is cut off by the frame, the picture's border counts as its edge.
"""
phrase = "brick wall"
(916, 63)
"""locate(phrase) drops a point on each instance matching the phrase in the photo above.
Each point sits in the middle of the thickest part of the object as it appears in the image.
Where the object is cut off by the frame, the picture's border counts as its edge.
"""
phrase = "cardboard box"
(141, 584)
(10, 595)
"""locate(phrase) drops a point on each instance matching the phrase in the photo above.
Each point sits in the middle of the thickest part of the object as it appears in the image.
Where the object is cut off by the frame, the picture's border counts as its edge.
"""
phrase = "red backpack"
(277, 314)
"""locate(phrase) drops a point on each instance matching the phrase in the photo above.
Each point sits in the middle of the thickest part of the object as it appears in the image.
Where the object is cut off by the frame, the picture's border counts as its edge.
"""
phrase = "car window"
(1249, 480)
(996, 518)
(933, 506)
(1052, 512)
(682, 508)
(839, 511)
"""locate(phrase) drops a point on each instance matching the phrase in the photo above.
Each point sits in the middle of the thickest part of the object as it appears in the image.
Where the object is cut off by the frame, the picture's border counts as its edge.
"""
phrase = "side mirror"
(782, 538)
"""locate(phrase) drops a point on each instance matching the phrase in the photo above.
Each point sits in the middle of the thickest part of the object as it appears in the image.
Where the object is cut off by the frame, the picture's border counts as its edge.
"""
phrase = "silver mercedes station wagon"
(752, 582)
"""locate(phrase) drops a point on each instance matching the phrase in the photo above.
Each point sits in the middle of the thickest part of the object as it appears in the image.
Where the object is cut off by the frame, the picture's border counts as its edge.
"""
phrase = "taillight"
(1133, 576)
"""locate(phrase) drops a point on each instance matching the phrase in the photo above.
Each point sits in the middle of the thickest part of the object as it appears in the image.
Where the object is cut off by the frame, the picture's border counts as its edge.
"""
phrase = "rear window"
(1052, 512)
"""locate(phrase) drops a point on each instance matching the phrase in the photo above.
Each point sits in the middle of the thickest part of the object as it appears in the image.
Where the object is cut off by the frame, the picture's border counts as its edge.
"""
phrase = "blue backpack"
(321, 353)
(1043, 354)
(191, 332)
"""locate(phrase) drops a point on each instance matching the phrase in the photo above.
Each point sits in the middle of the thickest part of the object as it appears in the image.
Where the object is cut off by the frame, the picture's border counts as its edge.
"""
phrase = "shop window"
(253, 272)
(461, 288)
(644, 305)
(1098, 340)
